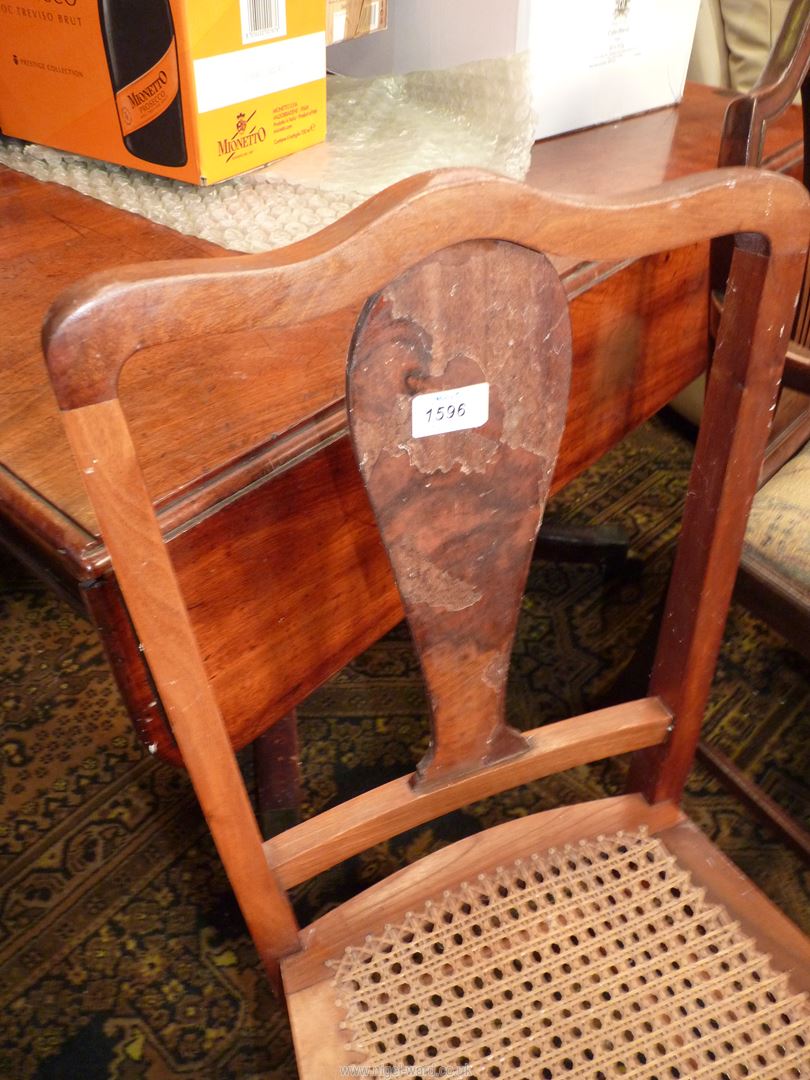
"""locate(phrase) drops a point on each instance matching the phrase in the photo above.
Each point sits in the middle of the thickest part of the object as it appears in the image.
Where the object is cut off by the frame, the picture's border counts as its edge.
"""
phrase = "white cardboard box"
(591, 60)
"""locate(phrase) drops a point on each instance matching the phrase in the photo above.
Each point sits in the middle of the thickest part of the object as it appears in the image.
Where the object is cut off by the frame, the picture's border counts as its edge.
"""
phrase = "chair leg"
(278, 775)
(753, 795)
(631, 682)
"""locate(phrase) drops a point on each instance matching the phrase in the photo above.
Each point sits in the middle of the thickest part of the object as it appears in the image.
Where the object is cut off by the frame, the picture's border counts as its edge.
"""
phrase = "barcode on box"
(263, 19)
(449, 410)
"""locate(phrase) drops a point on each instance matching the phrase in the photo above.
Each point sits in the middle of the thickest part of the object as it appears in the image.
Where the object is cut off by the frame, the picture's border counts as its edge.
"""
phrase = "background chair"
(733, 40)
(739, 44)
(742, 142)
(733, 44)
(781, 72)
(585, 938)
(774, 575)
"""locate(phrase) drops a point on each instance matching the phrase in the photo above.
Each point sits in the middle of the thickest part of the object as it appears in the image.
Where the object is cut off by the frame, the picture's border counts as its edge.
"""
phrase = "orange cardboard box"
(197, 90)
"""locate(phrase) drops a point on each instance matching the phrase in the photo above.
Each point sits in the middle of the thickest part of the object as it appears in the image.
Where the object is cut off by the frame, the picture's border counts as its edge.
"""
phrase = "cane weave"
(596, 960)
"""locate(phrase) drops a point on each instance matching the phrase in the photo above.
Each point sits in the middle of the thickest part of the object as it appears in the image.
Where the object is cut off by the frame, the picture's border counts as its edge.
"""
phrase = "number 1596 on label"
(450, 410)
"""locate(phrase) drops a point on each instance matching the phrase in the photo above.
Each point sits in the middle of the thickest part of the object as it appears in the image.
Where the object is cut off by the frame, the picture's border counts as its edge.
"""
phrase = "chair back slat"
(457, 393)
(357, 824)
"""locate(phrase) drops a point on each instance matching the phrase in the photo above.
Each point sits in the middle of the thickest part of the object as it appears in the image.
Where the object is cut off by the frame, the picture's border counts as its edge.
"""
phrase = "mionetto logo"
(244, 137)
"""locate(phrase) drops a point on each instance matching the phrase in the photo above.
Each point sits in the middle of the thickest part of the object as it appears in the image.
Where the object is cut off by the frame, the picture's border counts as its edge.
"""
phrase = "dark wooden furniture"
(743, 140)
(278, 456)
(771, 593)
(574, 939)
(774, 575)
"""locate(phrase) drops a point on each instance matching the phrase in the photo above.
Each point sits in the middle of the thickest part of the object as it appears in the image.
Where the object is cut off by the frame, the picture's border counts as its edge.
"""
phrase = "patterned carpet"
(122, 954)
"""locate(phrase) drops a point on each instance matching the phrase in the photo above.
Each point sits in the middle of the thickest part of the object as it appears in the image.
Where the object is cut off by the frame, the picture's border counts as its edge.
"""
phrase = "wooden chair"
(600, 940)
(774, 574)
(775, 569)
(742, 142)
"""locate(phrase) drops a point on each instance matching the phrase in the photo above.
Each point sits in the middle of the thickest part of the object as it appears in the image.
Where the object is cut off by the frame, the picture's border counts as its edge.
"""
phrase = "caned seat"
(606, 939)
(597, 958)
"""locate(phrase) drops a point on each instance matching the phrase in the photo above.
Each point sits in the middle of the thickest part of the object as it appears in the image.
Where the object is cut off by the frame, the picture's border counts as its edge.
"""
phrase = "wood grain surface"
(423, 331)
(273, 452)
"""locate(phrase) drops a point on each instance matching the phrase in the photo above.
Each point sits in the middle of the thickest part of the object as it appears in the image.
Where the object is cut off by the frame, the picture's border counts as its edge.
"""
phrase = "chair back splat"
(457, 396)
(457, 393)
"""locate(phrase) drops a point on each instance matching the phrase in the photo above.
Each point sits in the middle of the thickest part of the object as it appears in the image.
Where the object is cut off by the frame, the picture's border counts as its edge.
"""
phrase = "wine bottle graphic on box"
(142, 57)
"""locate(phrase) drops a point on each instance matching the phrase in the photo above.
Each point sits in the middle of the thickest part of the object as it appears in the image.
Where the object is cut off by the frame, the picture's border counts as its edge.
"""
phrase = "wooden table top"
(51, 236)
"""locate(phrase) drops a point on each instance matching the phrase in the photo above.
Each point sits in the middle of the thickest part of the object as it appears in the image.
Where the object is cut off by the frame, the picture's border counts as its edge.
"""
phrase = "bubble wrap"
(380, 130)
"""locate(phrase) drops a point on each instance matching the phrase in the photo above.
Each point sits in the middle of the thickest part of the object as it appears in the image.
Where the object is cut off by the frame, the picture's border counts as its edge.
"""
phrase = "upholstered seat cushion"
(778, 534)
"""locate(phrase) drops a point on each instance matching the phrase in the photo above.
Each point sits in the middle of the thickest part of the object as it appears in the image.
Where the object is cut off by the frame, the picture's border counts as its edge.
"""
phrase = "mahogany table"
(268, 524)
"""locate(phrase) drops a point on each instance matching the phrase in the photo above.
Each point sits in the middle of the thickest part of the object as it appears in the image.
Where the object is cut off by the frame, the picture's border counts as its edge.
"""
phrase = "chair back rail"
(100, 325)
(347, 262)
